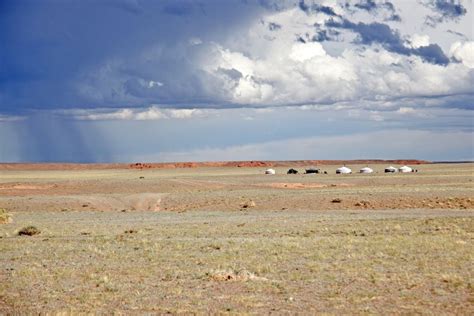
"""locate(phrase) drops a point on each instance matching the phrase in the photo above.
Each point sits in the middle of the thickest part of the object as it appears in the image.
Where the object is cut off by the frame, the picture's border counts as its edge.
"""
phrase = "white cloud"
(184, 113)
(11, 118)
(152, 84)
(302, 52)
(263, 66)
(152, 113)
(463, 52)
(123, 114)
(417, 40)
(284, 71)
(406, 110)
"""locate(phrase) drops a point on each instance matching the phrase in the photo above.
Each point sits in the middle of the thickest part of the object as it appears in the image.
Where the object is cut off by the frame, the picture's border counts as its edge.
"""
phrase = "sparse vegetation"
(354, 263)
(396, 244)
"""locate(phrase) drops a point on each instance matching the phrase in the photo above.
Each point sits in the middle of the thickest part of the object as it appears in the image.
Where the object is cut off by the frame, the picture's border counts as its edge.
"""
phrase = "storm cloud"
(444, 10)
(92, 80)
(382, 34)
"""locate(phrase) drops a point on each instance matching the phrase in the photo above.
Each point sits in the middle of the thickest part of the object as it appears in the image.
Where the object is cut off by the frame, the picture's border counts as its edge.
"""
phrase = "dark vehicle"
(292, 171)
(312, 170)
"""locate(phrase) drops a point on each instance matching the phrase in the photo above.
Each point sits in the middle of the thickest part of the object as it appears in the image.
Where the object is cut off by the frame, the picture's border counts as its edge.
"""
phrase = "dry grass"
(5, 218)
(253, 261)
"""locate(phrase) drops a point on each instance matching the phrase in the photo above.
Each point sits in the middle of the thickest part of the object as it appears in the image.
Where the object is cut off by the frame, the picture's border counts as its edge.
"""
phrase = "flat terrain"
(233, 240)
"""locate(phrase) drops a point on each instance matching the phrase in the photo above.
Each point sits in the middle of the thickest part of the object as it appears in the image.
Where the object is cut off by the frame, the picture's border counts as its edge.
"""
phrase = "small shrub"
(248, 204)
(29, 231)
(5, 218)
(233, 275)
(363, 203)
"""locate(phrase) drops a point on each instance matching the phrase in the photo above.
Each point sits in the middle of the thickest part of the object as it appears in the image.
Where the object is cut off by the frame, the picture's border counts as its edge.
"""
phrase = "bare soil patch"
(289, 185)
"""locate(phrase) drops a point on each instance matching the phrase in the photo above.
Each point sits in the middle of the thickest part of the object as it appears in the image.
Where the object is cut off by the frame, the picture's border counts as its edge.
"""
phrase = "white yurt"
(270, 171)
(391, 169)
(366, 170)
(405, 169)
(343, 170)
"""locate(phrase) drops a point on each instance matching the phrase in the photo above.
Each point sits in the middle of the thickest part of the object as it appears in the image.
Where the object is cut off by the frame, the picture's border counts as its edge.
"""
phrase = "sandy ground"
(233, 240)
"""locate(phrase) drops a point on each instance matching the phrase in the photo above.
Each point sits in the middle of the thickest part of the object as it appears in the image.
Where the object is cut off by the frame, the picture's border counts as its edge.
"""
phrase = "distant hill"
(173, 165)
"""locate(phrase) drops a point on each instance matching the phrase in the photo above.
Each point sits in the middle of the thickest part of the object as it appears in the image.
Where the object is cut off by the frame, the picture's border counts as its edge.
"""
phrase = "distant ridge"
(175, 165)
(460, 161)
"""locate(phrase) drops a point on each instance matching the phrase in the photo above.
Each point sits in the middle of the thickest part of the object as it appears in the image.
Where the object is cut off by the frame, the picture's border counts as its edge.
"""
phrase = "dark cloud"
(376, 7)
(324, 9)
(110, 53)
(233, 74)
(464, 37)
(379, 33)
(303, 6)
(459, 101)
(450, 8)
(316, 8)
(274, 26)
(300, 39)
(395, 17)
(373, 33)
(51, 44)
(445, 10)
(321, 35)
(431, 53)
(367, 5)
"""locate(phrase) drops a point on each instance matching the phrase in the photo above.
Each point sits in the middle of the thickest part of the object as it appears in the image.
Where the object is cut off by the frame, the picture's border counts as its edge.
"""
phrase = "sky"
(209, 80)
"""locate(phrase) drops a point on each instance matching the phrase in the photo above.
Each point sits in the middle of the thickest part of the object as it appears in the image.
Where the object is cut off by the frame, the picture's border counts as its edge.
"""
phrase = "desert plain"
(232, 240)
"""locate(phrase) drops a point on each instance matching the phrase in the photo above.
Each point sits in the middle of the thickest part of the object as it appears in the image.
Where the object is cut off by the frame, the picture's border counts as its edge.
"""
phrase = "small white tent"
(366, 170)
(270, 171)
(390, 169)
(343, 170)
(405, 169)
